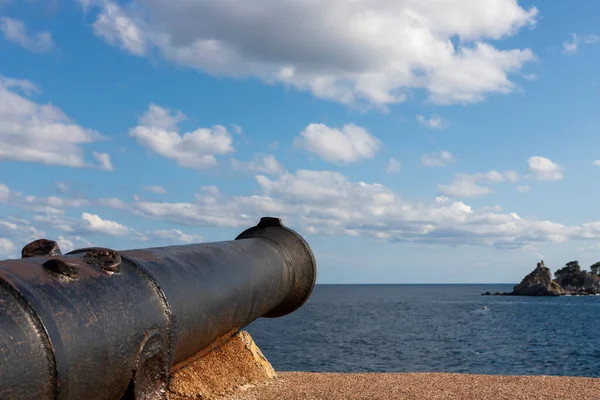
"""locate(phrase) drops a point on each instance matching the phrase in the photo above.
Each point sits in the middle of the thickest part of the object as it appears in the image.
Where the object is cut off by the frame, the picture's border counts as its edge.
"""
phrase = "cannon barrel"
(102, 324)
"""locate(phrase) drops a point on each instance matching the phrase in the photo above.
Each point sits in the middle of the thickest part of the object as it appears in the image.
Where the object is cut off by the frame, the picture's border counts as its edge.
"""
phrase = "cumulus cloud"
(266, 164)
(16, 32)
(158, 131)
(371, 53)
(596, 163)
(42, 133)
(544, 169)
(93, 223)
(439, 159)
(393, 166)
(114, 26)
(467, 185)
(321, 203)
(52, 213)
(328, 203)
(338, 146)
(70, 233)
(523, 188)
(571, 46)
(434, 122)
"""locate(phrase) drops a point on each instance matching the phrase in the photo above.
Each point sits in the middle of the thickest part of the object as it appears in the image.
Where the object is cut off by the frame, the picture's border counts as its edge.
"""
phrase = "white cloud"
(267, 164)
(321, 203)
(16, 32)
(67, 244)
(338, 146)
(117, 28)
(544, 169)
(17, 228)
(466, 185)
(438, 159)
(596, 163)
(155, 189)
(93, 223)
(32, 132)
(6, 247)
(103, 161)
(435, 122)
(157, 130)
(51, 213)
(112, 202)
(161, 118)
(327, 203)
(393, 166)
(570, 47)
(490, 177)
(464, 188)
(523, 188)
(358, 52)
(15, 233)
(176, 235)
(511, 176)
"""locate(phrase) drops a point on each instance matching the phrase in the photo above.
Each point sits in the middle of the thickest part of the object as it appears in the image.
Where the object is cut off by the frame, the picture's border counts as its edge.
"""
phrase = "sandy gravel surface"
(421, 386)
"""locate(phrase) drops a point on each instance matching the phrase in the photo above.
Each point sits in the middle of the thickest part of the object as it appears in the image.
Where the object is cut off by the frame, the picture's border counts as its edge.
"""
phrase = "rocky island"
(569, 280)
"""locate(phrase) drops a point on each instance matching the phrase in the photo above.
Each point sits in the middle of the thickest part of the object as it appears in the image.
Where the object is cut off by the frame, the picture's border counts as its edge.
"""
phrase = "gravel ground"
(421, 386)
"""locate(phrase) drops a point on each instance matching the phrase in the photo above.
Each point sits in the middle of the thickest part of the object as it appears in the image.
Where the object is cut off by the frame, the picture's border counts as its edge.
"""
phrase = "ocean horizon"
(434, 328)
(412, 284)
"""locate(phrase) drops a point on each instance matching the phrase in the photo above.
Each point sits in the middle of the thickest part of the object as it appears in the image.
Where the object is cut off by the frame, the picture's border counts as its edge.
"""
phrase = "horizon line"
(418, 283)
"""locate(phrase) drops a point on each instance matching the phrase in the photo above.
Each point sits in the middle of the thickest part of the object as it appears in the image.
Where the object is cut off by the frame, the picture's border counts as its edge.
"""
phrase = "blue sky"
(408, 141)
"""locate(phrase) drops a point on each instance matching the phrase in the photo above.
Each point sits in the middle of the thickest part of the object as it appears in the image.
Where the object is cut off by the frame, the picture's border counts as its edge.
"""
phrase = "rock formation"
(576, 281)
(538, 283)
(570, 280)
(233, 366)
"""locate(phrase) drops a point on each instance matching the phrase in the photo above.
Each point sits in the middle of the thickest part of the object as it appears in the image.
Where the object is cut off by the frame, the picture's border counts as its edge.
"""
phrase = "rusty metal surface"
(41, 247)
(103, 324)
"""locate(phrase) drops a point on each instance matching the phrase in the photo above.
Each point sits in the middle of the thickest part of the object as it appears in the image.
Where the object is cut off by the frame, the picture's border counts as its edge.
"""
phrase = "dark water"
(417, 328)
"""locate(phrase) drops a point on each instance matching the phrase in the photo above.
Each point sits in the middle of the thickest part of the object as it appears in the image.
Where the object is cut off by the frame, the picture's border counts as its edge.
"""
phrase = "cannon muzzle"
(102, 324)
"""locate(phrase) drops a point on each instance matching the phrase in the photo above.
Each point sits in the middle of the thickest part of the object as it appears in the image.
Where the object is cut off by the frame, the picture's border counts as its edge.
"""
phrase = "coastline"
(420, 386)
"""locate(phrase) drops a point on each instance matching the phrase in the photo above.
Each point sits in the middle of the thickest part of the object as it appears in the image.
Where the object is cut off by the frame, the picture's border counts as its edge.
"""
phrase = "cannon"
(102, 324)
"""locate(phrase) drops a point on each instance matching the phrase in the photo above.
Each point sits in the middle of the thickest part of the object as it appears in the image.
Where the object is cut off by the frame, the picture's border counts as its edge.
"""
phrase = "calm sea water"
(426, 328)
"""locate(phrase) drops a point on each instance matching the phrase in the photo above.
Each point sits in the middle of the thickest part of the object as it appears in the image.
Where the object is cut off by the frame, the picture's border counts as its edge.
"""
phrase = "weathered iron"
(102, 324)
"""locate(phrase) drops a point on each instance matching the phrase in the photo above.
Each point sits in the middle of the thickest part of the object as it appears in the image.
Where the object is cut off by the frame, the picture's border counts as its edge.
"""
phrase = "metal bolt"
(61, 267)
(41, 247)
(108, 260)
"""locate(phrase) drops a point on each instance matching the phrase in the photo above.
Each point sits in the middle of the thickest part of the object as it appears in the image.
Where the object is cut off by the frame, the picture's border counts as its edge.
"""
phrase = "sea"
(434, 328)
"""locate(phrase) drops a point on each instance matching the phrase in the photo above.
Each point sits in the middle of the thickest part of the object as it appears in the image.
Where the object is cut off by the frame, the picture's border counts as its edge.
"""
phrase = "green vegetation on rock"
(571, 275)
(569, 280)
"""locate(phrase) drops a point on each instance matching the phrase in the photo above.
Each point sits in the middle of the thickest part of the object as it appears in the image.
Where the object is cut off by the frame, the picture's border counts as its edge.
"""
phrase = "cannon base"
(233, 366)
